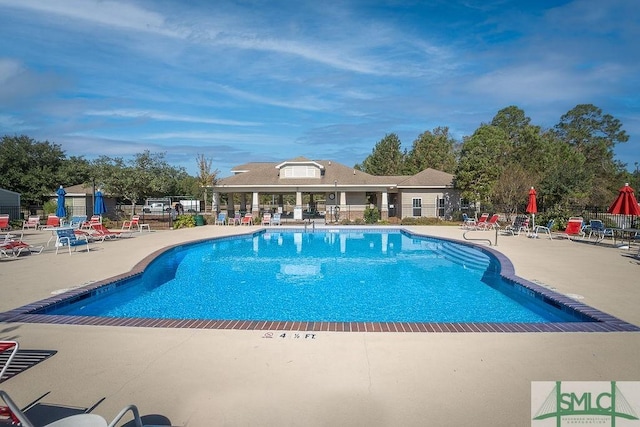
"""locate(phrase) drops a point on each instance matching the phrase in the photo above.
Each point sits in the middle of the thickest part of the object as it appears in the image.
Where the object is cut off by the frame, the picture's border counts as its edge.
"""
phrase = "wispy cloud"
(159, 116)
(258, 80)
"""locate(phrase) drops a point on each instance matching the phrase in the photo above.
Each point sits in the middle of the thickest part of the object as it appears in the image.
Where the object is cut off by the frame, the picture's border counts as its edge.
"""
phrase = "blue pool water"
(321, 276)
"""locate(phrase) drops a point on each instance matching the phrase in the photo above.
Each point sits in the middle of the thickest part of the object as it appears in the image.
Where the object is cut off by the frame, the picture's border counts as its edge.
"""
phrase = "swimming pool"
(327, 280)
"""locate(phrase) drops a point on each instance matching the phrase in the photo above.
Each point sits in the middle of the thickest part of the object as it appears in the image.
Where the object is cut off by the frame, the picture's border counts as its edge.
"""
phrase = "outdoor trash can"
(199, 220)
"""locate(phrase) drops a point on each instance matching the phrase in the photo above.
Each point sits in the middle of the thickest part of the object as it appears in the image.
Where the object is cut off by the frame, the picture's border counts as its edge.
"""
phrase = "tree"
(482, 161)
(147, 175)
(33, 169)
(206, 178)
(510, 190)
(595, 135)
(432, 150)
(565, 179)
(513, 121)
(385, 158)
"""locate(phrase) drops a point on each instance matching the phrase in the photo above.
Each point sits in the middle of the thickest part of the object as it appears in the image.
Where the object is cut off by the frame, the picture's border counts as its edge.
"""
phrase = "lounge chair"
(480, 222)
(221, 219)
(134, 223)
(16, 247)
(11, 347)
(266, 219)
(520, 223)
(32, 222)
(74, 420)
(68, 237)
(235, 220)
(488, 225)
(275, 219)
(574, 228)
(468, 223)
(4, 222)
(100, 232)
(95, 219)
(247, 219)
(52, 222)
(77, 221)
(544, 229)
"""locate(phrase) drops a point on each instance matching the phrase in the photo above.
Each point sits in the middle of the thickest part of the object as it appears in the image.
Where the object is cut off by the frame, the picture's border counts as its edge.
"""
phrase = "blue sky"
(249, 80)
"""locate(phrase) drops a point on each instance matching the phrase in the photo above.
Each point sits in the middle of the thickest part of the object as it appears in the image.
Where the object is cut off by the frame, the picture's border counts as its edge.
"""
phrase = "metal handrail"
(464, 236)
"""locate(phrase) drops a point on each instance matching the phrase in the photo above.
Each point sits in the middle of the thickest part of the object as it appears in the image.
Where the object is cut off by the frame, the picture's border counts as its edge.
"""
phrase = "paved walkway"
(240, 378)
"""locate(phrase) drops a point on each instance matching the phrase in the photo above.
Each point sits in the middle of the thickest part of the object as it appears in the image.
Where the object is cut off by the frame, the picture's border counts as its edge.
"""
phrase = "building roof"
(263, 174)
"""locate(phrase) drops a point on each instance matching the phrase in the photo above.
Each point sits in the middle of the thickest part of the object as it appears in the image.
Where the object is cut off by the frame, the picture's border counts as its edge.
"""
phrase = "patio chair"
(77, 221)
(480, 222)
(237, 218)
(221, 219)
(574, 228)
(544, 229)
(468, 223)
(490, 224)
(247, 219)
(95, 219)
(68, 237)
(32, 222)
(520, 223)
(266, 218)
(74, 420)
(52, 222)
(16, 247)
(100, 232)
(134, 223)
(4, 222)
(12, 348)
(275, 219)
(596, 228)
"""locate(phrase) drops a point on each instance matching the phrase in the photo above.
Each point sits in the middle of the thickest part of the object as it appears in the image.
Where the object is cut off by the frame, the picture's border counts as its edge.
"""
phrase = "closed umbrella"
(99, 207)
(532, 206)
(60, 211)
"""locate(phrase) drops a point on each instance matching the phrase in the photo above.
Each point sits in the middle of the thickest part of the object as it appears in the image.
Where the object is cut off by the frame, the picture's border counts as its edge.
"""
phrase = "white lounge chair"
(80, 420)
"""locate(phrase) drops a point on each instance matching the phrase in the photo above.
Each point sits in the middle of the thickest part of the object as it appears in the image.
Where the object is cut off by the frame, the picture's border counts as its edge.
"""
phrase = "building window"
(300, 172)
(417, 206)
(441, 207)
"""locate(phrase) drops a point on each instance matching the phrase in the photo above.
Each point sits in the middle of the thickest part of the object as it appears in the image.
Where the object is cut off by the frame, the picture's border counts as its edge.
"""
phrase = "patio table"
(625, 233)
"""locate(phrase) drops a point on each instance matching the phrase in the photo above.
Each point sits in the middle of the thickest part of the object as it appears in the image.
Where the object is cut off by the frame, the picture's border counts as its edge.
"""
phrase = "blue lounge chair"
(77, 221)
(221, 219)
(68, 237)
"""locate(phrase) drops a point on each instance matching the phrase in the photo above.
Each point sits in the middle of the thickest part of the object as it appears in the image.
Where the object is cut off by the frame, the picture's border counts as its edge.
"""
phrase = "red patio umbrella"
(626, 203)
(532, 207)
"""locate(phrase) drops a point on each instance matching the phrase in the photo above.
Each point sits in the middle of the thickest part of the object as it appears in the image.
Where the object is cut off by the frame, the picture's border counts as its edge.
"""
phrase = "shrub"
(371, 215)
(184, 221)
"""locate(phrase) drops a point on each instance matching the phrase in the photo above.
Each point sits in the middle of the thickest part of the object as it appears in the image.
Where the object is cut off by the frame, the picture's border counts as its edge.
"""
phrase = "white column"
(343, 199)
(298, 199)
(215, 204)
(385, 201)
(255, 207)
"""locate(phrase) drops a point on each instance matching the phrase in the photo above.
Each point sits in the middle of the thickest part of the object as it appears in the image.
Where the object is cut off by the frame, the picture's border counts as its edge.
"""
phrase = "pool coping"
(598, 321)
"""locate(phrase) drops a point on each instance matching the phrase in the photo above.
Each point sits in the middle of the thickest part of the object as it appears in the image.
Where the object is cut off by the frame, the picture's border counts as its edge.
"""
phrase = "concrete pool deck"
(203, 377)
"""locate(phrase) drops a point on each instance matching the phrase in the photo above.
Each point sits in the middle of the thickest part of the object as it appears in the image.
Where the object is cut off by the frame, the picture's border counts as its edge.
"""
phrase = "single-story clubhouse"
(306, 188)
